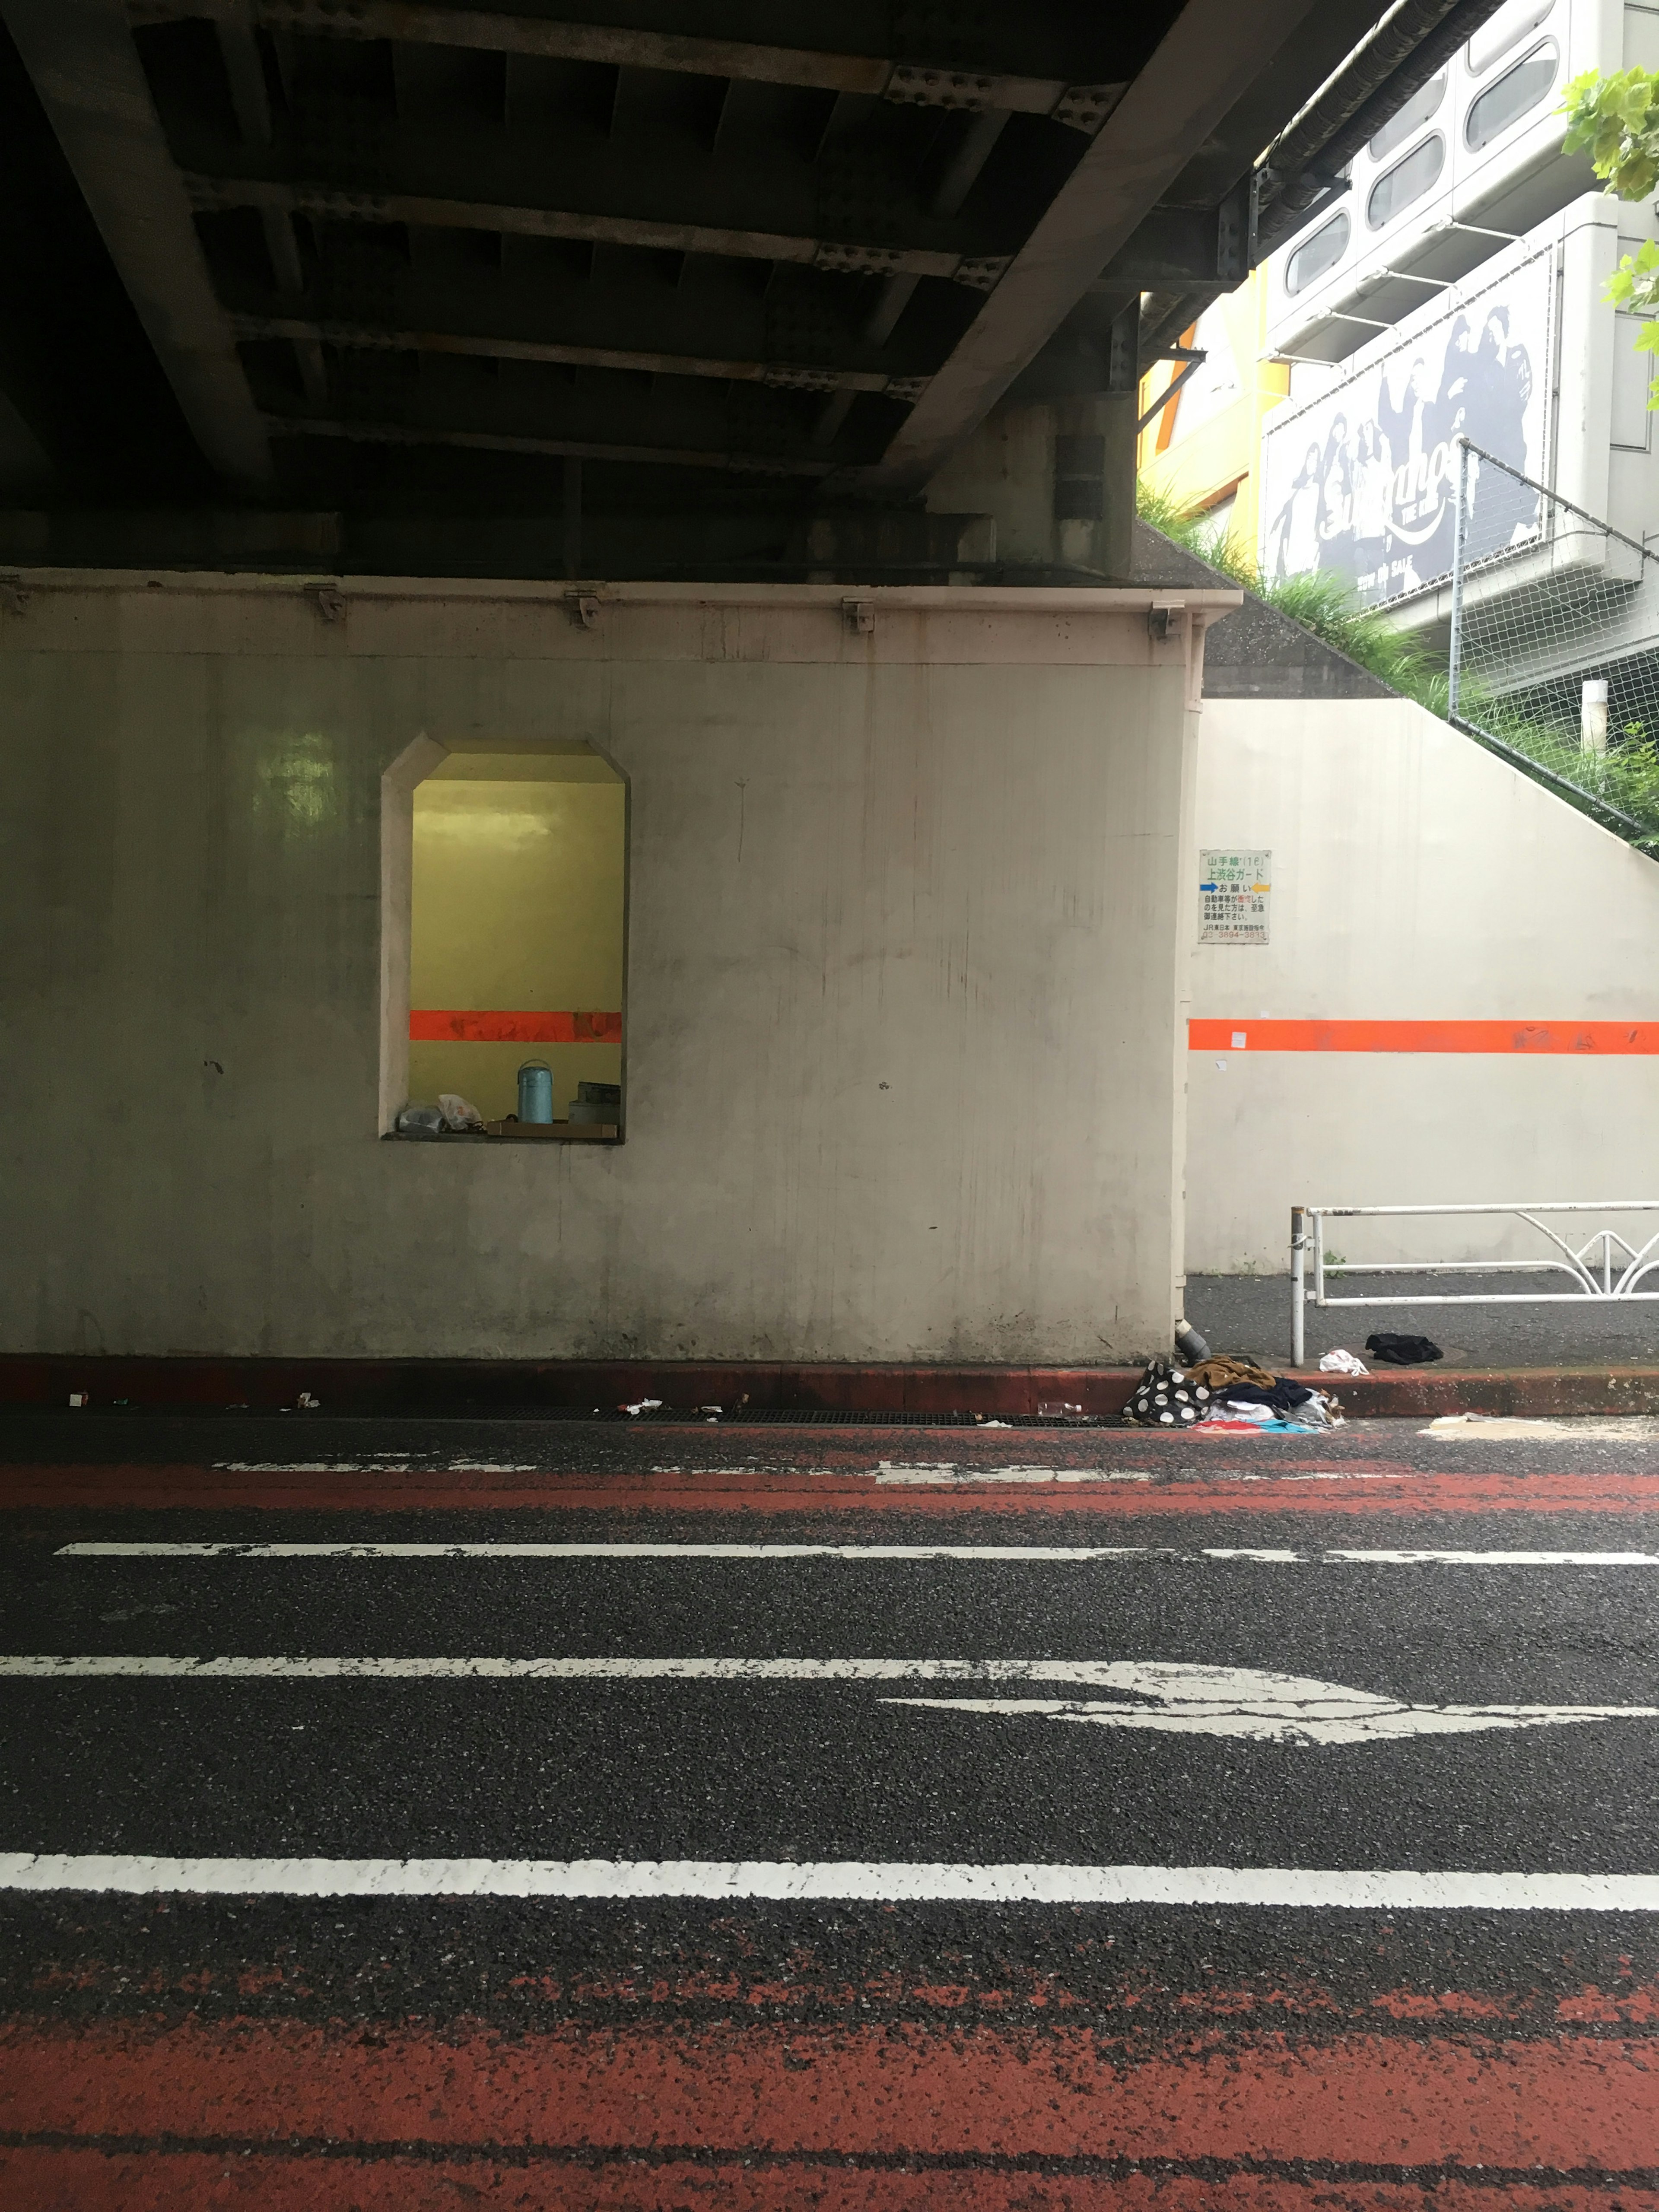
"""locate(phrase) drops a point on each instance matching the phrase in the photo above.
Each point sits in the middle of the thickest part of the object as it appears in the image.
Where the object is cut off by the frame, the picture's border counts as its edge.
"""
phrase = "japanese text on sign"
(1233, 891)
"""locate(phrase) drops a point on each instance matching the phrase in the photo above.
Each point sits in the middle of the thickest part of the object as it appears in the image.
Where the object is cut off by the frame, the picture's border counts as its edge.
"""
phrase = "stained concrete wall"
(905, 974)
(1415, 877)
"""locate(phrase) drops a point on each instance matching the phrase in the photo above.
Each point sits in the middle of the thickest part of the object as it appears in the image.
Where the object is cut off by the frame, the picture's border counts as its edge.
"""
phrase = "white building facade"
(1458, 286)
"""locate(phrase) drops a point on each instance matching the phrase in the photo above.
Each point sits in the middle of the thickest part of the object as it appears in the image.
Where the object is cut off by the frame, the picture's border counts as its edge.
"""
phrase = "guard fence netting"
(1553, 646)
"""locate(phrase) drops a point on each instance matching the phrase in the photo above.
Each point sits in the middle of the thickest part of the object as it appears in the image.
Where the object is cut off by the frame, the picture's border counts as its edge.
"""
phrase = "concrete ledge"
(1404, 1393)
(526, 1388)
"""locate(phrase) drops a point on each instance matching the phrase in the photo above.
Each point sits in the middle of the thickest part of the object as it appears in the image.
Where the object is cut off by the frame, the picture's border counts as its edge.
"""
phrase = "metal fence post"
(1460, 526)
(1298, 1285)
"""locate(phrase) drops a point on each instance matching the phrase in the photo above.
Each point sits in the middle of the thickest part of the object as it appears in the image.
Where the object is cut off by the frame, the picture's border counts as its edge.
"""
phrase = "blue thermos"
(535, 1091)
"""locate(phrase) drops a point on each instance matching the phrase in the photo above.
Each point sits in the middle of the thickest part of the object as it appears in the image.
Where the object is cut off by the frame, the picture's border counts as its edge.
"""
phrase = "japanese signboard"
(1233, 891)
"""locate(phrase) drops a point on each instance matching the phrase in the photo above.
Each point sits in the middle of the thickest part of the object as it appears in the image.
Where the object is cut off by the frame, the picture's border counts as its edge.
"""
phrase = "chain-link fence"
(1554, 645)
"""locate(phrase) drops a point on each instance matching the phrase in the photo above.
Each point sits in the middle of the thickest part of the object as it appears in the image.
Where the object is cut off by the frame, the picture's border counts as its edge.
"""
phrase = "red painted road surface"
(176, 2181)
(901, 2090)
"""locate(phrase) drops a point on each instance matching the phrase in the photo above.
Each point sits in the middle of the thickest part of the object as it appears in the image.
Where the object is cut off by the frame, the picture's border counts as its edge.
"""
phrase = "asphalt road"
(827, 1818)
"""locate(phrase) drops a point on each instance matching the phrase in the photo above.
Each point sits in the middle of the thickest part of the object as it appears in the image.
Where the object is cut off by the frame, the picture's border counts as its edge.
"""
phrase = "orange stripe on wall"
(435, 1026)
(1245, 1036)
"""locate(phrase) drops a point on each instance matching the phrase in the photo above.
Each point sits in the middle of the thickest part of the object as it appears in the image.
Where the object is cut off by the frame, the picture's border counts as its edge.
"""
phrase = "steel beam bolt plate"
(1085, 107)
(858, 260)
(982, 271)
(939, 88)
(784, 376)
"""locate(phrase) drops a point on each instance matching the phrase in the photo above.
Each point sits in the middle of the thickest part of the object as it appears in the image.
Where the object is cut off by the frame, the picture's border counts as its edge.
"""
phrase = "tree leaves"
(1615, 119)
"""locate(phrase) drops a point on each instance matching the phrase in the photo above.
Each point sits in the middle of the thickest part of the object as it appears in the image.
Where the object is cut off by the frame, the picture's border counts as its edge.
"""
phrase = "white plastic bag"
(1342, 1362)
(459, 1113)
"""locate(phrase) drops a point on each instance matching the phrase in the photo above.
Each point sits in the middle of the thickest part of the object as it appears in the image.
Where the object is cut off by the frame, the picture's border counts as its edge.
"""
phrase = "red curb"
(521, 1388)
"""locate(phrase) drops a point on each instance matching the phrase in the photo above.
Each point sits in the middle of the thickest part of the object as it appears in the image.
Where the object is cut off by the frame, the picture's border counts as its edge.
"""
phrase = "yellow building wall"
(1197, 452)
(516, 908)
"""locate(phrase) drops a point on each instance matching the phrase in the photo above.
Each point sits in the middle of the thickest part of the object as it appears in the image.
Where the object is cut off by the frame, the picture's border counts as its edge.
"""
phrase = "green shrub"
(1626, 779)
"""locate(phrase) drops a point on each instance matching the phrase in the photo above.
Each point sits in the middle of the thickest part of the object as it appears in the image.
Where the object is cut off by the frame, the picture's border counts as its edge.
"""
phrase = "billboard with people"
(1361, 484)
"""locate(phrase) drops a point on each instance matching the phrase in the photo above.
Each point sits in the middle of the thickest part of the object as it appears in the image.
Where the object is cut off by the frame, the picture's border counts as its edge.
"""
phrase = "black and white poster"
(1362, 483)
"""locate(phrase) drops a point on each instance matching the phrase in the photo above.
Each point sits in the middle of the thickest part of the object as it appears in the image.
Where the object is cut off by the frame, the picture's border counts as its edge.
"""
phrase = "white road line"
(396, 1463)
(1062, 1553)
(350, 1550)
(1378, 1558)
(280, 1667)
(1260, 1556)
(848, 1880)
(957, 1477)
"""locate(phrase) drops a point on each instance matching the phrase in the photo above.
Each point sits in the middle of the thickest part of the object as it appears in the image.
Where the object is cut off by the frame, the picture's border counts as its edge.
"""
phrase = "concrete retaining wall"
(1415, 877)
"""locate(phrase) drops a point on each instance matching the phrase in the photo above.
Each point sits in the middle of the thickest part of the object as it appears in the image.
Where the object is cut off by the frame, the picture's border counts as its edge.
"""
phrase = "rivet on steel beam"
(785, 376)
(983, 272)
(922, 87)
(857, 260)
(1086, 106)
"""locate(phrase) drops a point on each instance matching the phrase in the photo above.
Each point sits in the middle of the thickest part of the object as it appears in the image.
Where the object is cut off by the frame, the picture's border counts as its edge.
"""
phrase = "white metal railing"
(1597, 1277)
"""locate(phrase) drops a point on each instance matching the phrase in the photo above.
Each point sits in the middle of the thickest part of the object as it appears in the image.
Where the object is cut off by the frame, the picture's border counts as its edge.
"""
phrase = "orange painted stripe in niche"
(449, 1025)
(1244, 1035)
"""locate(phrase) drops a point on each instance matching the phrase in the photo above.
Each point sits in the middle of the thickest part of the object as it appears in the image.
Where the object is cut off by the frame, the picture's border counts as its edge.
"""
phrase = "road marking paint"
(1391, 1724)
(1322, 1474)
(1499, 1428)
(1192, 1492)
(1177, 1698)
(1267, 1707)
(884, 1473)
(487, 1668)
(774, 2114)
(1045, 1553)
(1380, 1558)
(510, 1550)
(396, 1463)
(890, 1472)
(848, 1880)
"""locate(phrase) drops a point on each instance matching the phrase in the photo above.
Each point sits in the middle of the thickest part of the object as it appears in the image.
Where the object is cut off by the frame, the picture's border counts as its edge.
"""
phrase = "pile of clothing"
(1226, 1392)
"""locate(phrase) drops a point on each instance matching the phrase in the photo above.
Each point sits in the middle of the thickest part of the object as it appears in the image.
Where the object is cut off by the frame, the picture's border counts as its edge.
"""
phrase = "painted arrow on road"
(1158, 1694)
(1246, 1701)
